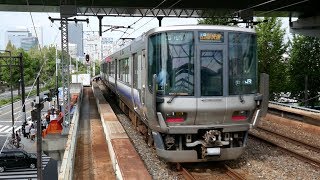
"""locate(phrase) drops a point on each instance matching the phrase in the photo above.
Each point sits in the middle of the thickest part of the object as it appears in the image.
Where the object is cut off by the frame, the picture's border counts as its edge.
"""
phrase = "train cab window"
(171, 58)
(211, 72)
(242, 63)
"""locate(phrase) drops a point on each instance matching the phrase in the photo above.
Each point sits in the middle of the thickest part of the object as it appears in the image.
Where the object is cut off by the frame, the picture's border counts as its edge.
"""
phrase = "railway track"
(210, 170)
(305, 152)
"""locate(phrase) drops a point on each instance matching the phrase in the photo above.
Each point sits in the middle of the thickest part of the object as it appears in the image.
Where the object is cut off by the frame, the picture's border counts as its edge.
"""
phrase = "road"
(7, 94)
(6, 117)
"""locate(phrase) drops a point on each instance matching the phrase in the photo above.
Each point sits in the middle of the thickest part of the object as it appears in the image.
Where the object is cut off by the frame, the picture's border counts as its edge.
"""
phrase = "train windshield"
(171, 58)
(242, 63)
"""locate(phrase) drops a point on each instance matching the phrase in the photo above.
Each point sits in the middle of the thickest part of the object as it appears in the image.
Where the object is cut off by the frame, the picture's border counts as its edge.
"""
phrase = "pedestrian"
(48, 117)
(44, 124)
(32, 133)
(24, 129)
(18, 139)
(52, 109)
(27, 130)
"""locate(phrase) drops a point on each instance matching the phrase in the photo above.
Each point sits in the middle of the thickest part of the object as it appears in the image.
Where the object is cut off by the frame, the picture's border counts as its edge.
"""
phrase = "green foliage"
(271, 48)
(216, 21)
(305, 67)
(10, 47)
(97, 68)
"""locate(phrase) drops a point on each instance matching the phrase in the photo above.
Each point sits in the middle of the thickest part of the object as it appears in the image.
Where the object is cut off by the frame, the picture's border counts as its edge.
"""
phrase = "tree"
(304, 68)
(216, 21)
(271, 48)
(10, 47)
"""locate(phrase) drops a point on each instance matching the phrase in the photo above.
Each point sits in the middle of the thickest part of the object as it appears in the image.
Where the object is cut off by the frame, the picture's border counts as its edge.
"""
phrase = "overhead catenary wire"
(149, 20)
(125, 32)
(265, 3)
(289, 5)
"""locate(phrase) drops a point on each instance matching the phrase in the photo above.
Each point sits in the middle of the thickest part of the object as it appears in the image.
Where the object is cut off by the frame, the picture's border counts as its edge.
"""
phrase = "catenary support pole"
(23, 92)
(39, 137)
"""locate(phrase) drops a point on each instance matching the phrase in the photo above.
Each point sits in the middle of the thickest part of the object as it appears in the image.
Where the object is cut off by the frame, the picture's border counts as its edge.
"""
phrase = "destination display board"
(217, 37)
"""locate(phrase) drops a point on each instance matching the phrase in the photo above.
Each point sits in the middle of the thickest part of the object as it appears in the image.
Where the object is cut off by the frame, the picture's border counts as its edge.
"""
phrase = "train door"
(136, 78)
(116, 76)
(211, 105)
(143, 77)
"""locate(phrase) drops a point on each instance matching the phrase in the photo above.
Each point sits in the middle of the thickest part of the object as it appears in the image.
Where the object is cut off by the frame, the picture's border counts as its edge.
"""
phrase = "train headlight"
(176, 117)
(240, 115)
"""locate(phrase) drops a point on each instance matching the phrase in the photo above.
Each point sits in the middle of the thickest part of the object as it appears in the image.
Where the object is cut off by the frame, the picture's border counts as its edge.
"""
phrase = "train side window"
(112, 69)
(124, 70)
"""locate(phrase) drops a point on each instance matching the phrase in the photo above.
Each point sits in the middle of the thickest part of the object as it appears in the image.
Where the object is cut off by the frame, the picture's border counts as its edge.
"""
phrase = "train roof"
(185, 27)
(198, 27)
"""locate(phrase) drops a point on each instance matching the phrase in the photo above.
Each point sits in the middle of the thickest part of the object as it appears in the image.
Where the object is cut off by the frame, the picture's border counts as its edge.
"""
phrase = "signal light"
(87, 57)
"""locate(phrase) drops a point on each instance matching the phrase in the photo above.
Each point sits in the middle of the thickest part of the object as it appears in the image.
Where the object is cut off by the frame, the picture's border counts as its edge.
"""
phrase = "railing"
(295, 107)
(67, 164)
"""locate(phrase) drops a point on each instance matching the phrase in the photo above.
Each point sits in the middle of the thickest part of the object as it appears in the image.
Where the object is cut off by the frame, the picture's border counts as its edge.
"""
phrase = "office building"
(75, 36)
(29, 42)
(15, 36)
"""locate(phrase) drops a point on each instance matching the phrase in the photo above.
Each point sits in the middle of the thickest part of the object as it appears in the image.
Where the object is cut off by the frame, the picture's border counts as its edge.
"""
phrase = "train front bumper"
(192, 156)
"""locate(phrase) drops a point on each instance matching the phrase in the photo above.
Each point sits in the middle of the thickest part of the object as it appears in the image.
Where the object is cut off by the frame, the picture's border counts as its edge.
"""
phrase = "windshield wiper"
(174, 95)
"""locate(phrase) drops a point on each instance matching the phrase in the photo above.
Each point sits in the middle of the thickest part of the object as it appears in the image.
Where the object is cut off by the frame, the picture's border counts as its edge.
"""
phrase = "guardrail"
(295, 107)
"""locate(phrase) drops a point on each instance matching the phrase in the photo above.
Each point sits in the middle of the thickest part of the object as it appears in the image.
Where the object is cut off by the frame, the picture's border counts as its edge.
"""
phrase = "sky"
(51, 34)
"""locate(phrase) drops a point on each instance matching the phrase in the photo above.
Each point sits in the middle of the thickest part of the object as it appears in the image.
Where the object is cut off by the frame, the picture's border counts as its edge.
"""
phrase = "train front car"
(202, 94)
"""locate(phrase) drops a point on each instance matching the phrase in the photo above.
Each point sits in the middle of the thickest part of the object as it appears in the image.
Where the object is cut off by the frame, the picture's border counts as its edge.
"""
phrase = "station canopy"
(243, 9)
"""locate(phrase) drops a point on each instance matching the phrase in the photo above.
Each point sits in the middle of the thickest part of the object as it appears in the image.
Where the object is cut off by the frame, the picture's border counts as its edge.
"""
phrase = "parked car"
(17, 158)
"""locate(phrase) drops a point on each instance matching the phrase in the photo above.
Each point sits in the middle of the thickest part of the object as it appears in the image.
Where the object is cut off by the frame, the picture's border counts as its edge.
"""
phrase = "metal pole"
(57, 85)
(159, 19)
(23, 92)
(70, 64)
(39, 138)
(77, 64)
(306, 91)
(12, 109)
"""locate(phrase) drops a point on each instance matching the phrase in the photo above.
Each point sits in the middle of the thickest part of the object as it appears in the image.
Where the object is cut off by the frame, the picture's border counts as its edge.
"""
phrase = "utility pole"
(12, 109)
(23, 92)
(57, 78)
(39, 135)
(65, 75)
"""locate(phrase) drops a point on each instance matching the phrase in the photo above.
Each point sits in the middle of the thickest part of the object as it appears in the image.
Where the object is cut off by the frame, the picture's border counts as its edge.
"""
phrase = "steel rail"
(297, 155)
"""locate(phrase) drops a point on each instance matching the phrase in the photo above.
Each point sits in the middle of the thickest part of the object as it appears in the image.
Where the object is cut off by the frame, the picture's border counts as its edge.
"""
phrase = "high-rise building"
(37, 32)
(15, 36)
(75, 36)
(73, 51)
(29, 42)
(22, 38)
